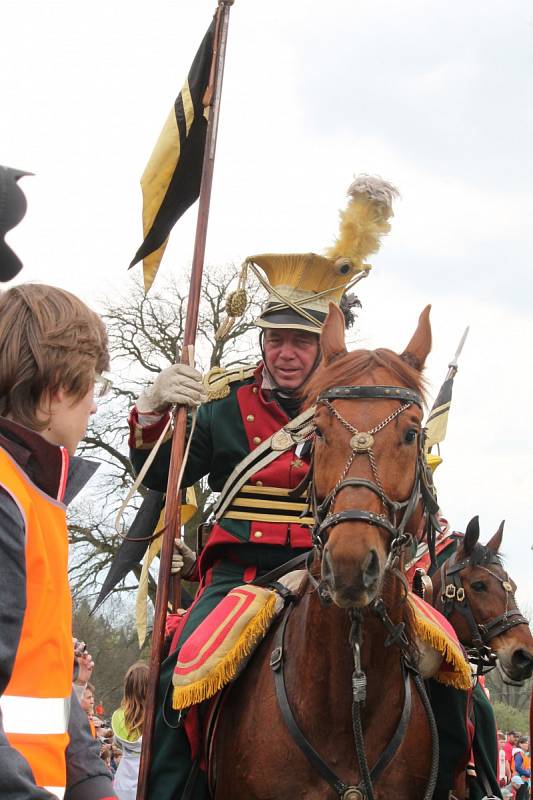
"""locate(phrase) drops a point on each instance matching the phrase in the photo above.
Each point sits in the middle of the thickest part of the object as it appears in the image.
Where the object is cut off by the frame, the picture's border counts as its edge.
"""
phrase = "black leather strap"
(390, 751)
(371, 393)
(358, 515)
(392, 505)
(495, 627)
(271, 577)
(276, 664)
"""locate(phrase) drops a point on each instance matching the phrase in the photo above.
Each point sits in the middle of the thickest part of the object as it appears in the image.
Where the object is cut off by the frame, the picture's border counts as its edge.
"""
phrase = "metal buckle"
(449, 591)
(460, 595)
(275, 658)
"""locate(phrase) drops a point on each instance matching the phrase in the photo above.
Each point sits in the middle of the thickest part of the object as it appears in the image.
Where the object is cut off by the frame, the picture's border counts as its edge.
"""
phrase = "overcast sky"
(435, 97)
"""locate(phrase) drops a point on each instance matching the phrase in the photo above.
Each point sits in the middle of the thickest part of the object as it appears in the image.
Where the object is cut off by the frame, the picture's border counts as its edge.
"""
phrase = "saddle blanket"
(218, 650)
(441, 654)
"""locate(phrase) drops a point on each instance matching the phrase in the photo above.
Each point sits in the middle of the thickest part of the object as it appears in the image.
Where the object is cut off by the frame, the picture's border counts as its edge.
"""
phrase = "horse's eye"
(318, 433)
(411, 435)
(479, 586)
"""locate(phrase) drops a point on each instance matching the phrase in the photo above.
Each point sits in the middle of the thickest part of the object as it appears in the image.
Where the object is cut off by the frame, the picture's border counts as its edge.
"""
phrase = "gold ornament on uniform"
(236, 304)
(218, 380)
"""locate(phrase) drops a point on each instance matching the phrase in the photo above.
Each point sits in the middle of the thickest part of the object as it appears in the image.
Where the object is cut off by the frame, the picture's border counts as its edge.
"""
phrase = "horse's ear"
(496, 541)
(332, 336)
(417, 350)
(471, 536)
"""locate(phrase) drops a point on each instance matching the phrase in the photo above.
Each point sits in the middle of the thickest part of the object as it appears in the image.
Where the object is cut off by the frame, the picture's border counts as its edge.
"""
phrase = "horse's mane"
(347, 370)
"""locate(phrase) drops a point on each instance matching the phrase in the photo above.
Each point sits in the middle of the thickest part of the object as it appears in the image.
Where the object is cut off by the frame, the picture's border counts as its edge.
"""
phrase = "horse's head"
(477, 596)
(366, 456)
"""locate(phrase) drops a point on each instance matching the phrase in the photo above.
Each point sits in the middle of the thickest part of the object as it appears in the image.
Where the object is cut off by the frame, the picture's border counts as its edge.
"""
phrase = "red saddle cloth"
(217, 650)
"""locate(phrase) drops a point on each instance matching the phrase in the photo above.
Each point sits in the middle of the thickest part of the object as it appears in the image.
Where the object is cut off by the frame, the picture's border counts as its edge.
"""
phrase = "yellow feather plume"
(365, 220)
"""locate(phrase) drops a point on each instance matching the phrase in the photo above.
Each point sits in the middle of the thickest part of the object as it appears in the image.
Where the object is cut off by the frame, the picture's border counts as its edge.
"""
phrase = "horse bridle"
(362, 443)
(326, 518)
(453, 598)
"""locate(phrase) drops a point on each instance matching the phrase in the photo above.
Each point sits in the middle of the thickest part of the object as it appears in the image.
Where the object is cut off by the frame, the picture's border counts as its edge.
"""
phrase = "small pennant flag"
(171, 180)
(437, 421)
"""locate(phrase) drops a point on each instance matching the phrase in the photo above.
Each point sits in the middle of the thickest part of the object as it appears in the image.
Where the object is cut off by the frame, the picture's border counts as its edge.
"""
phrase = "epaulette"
(217, 381)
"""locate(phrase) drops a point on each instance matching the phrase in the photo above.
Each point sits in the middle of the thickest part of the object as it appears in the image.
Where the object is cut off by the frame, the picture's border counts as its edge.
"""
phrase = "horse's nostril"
(522, 659)
(370, 568)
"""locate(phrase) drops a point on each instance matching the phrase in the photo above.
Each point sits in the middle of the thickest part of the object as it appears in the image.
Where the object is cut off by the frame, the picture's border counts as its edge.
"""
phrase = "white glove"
(183, 559)
(177, 384)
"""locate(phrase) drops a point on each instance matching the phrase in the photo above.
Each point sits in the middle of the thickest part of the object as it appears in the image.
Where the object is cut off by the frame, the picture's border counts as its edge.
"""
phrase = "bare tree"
(144, 334)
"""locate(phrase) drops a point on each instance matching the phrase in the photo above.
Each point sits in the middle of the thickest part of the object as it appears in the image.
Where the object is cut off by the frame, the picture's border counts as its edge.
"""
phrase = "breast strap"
(291, 434)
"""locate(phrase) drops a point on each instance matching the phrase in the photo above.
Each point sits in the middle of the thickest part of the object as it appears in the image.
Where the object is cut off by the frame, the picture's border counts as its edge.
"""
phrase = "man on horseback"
(258, 525)
(257, 530)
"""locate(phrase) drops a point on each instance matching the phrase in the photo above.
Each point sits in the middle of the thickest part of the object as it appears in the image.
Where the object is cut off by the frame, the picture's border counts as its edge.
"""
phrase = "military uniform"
(226, 431)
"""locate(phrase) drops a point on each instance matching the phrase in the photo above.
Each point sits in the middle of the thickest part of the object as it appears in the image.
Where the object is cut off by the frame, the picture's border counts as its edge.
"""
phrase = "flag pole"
(173, 505)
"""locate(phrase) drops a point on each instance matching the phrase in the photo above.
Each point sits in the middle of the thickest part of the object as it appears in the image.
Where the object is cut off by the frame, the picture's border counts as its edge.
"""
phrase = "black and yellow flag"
(437, 422)
(171, 180)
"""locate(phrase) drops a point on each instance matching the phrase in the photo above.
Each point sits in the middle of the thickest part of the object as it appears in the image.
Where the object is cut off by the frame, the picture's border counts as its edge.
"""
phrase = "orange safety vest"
(35, 704)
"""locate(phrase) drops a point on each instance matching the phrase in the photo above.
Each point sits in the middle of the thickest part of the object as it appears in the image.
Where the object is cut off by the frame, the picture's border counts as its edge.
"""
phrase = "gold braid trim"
(218, 380)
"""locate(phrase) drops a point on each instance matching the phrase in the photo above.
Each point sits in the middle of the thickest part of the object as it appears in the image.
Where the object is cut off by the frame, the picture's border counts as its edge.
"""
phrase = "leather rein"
(394, 520)
(453, 598)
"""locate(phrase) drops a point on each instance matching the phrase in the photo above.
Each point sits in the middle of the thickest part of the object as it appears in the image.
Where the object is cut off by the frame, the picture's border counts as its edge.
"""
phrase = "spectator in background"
(521, 762)
(87, 703)
(504, 768)
(83, 667)
(127, 723)
(512, 739)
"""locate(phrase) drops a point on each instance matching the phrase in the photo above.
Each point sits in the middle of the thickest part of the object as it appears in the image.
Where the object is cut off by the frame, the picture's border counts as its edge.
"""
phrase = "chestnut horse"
(473, 590)
(293, 726)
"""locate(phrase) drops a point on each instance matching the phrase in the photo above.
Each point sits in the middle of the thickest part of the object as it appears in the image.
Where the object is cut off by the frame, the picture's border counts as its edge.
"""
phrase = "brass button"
(255, 390)
(250, 418)
(256, 440)
(259, 483)
(258, 534)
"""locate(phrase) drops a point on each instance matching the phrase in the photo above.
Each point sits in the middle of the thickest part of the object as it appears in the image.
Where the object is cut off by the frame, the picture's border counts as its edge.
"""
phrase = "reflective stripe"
(35, 715)
(59, 791)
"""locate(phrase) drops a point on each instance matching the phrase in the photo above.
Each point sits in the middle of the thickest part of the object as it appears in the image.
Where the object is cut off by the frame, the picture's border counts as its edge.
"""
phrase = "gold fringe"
(218, 394)
(226, 670)
(461, 677)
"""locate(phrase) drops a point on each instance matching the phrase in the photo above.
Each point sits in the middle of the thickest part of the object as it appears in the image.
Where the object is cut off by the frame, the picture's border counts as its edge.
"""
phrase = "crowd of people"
(514, 765)
(120, 737)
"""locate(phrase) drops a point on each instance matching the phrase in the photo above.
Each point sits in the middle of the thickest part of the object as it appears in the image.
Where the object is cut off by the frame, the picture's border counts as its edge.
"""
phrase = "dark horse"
(368, 480)
(473, 590)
